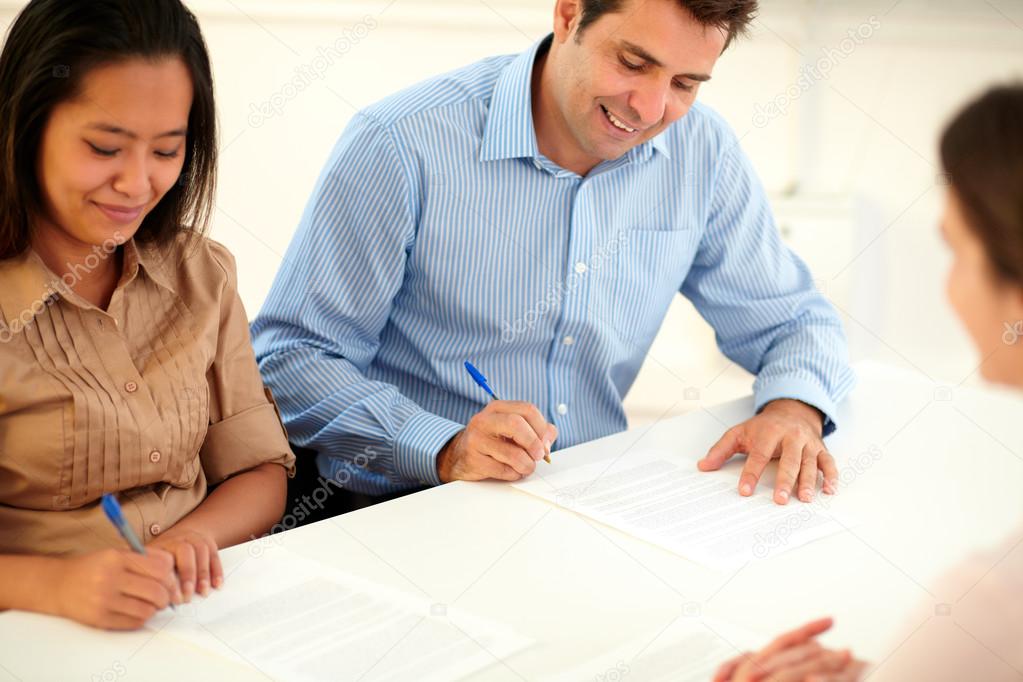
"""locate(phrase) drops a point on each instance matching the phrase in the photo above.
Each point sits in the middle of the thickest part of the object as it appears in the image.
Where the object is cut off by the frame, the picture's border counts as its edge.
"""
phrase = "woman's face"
(990, 309)
(108, 156)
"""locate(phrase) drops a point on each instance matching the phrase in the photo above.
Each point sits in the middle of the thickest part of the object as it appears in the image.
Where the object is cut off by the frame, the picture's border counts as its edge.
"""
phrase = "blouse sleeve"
(245, 428)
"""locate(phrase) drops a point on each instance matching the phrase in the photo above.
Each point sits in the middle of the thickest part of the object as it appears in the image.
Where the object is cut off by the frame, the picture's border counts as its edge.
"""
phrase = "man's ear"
(567, 14)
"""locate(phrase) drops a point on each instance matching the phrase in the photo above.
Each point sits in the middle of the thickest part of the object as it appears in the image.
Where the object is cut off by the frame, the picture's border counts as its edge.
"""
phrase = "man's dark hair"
(982, 154)
(734, 16)
(50, 48)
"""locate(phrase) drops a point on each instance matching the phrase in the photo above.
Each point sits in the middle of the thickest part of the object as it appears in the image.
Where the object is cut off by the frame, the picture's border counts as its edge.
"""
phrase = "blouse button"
(155, 529)
(131, 387)
(154, 456)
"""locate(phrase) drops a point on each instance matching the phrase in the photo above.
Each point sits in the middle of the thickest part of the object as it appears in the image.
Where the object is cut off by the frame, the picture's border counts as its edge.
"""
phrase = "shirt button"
(154, 456)
(131, 387)
(155, 529)
(568, 340)
(580, 267)
(562, 409)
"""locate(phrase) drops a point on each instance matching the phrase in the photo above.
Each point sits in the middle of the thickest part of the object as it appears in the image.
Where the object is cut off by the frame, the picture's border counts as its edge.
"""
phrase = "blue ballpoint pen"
(113, 511)
(481, 380)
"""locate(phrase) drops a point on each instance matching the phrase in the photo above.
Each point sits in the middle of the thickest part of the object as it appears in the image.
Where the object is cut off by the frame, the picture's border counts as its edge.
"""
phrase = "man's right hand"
(504, 441)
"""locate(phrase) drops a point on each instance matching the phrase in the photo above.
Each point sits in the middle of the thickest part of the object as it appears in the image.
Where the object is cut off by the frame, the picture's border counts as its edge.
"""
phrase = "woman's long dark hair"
(982, 152)
(49, 49)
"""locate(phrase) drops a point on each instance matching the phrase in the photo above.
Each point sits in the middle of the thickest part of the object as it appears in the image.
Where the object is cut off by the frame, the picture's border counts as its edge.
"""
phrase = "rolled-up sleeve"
(245, 428)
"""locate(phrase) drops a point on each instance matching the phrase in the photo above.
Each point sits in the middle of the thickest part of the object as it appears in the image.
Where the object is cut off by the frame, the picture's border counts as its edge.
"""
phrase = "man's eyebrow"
(117, 130)
(647, 57)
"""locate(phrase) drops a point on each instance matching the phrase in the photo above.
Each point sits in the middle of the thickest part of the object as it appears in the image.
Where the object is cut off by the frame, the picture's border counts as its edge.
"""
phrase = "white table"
(931, 472)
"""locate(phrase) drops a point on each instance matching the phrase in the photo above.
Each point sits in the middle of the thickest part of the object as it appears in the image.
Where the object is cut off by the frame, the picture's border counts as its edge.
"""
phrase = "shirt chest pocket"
(637, 283)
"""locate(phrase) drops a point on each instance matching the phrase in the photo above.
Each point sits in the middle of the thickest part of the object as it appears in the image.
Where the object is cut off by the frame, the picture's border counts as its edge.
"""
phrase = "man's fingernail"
(218, 582)
(204, 587)
(188, 587)
(783, 495)
(745, 489)
(805, 495)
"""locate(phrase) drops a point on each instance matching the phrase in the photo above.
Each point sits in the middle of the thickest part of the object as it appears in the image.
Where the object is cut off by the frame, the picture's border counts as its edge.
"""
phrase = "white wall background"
(850, 162)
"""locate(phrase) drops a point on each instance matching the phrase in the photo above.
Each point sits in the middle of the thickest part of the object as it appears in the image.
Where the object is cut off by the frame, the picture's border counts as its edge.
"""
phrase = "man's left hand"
(787, 429)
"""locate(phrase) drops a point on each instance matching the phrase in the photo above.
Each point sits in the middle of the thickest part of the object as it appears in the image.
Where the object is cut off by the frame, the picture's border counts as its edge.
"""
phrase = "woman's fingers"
(728, 668)
(184, 557)
(136, 610)
(788, 658)
(216, 568)
(202, 567)
(145, 589)
(823, 662)
(797, 636)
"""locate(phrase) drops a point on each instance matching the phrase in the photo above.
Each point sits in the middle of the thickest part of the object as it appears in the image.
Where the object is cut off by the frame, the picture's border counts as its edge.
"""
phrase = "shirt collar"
(29, 285)
(509, 132)
(156, 263)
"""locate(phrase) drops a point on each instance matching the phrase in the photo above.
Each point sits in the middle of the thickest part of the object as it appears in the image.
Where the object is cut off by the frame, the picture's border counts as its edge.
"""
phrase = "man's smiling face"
(628, 75)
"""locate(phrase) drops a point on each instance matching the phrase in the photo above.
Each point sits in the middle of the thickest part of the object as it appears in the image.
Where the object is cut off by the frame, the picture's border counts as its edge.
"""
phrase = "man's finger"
(540, 427)
(722, 451)
(756, 462)
(788, 469)
(808, 473)
(488, 467)
(552, 436)
(508, 453)
(826, 463)
(515, 428)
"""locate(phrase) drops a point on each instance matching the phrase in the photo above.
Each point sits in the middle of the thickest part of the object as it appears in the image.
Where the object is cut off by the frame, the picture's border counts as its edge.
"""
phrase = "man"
(535, 215)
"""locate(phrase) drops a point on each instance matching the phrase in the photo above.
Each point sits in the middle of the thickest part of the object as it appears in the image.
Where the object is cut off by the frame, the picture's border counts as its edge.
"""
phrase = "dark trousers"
(312, 498)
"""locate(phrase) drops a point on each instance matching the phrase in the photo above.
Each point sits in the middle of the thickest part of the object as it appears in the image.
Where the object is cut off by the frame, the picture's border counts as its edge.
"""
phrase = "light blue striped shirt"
(438, 233)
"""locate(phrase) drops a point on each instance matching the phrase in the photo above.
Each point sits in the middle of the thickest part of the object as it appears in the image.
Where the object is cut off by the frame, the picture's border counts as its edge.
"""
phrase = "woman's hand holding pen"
(114, 589)
(503, 441)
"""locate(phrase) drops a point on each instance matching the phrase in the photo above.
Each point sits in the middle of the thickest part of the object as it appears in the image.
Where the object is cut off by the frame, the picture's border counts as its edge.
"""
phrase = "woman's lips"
(120, 214)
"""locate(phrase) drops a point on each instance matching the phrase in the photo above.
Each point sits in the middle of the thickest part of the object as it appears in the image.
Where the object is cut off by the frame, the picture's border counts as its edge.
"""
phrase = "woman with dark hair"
(982, 153)
(125, 360)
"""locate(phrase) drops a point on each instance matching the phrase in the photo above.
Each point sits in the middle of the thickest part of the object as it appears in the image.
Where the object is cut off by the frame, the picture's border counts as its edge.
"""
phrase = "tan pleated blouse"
(156, 398)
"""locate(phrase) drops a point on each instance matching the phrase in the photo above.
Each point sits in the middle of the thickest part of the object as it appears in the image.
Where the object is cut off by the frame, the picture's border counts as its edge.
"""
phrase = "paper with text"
(293, 618)
(697, 515)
